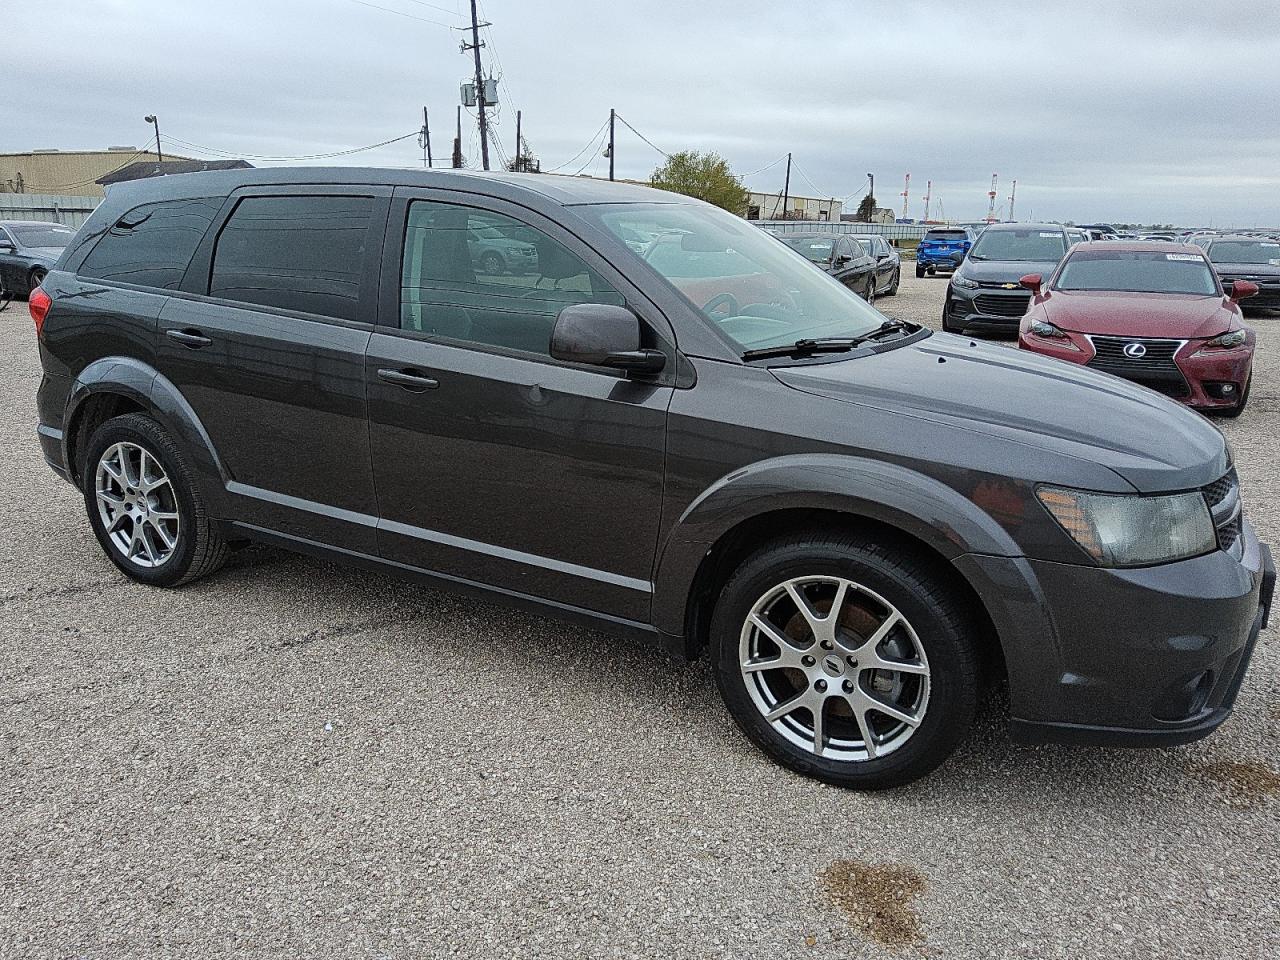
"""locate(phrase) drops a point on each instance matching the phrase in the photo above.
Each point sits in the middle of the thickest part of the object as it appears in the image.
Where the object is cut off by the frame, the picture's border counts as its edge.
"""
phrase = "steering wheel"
(723, 300)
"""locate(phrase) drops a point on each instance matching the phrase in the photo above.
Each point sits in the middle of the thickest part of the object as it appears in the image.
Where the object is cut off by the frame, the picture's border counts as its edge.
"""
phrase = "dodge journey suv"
(857, 520)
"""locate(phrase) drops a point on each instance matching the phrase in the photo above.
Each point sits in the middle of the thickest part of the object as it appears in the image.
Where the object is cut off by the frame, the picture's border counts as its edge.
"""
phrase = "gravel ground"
(293, 759)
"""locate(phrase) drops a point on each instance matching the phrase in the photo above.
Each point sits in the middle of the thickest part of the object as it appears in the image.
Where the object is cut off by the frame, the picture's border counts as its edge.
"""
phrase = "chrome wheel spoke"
(882, 680)
(130, 485)
(166, 538)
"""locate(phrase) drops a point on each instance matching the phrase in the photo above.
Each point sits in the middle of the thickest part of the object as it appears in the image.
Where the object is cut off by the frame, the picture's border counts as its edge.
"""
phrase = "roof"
(561, 190)
(1135, 246)
(152, 168)
(1027, 226)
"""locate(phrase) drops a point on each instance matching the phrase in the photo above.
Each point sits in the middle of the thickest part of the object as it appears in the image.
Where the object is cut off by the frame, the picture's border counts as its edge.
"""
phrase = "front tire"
(144, 507)
(920, 271)
(845, 660)
(897, 281)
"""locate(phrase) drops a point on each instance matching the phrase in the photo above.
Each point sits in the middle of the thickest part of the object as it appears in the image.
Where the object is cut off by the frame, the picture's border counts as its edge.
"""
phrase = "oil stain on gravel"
(1244, 782)
(877, 899)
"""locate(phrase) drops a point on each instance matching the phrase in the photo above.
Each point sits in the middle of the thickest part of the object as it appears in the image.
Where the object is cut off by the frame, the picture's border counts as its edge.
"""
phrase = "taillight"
(39, 303)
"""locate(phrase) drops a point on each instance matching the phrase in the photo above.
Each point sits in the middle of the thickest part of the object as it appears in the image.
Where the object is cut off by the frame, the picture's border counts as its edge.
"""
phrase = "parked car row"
(867, 265)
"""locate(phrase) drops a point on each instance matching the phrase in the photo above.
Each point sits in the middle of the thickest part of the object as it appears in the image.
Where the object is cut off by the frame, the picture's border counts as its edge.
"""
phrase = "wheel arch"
(820, 493)
(113, 386)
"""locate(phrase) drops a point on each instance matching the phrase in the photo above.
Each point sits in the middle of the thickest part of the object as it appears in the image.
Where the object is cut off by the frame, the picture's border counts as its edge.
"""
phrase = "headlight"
(1133, 531)
(1042, 328)
(1226, 341)
(965, 282)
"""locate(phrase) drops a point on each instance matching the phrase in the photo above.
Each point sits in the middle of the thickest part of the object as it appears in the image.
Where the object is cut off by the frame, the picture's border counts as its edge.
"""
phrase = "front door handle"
(408, 379)
(188, 338)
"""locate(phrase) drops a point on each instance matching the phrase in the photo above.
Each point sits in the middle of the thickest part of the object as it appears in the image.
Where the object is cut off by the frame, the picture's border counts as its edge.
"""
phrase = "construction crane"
(1013, 192)
(906, 190)
(928, 195)
(991, 208)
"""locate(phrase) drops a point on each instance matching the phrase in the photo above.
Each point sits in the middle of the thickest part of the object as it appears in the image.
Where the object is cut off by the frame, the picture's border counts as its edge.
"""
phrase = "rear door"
(266, 342)
(495, 462)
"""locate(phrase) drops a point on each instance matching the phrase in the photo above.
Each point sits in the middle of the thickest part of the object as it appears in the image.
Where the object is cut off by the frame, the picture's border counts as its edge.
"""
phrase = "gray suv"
(722, 450)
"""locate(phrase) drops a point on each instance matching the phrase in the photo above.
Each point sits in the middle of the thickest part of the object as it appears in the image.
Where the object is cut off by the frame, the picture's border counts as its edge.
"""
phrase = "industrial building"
(68, 173)
(770, 206)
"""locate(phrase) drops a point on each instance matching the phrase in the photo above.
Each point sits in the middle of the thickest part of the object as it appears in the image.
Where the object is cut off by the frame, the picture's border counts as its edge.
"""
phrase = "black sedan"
(888, 262)
(1256, 259)
(28, 250)
(839, 255)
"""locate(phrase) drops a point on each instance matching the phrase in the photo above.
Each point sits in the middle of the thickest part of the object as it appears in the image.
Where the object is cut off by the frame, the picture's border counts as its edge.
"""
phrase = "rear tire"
(919, 272)
(897, 280)
(493, 265)
(144, 507)
(894, 609)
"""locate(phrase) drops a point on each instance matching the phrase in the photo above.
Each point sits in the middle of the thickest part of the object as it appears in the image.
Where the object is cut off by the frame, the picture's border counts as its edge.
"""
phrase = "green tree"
(866, 209)
(703, 175)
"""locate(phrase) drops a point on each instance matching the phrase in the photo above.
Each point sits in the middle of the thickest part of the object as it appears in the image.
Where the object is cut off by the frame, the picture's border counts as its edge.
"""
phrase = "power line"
(642, 136)
(401, 13)
(594, 155)
(435, 6)
(764, 168)
(314, 156)
(590, 143)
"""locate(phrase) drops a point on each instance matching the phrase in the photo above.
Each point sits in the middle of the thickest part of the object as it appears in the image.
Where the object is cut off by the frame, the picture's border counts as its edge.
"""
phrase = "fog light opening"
(1184, 698)
(1221, 390)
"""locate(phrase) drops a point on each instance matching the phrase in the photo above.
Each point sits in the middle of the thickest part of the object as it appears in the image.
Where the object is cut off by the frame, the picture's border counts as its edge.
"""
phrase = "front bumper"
(997, 308)
(1204, 381)
(1152, 656)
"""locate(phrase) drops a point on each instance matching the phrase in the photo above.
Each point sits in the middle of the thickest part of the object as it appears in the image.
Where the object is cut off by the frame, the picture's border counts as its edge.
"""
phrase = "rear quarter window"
(152, 245)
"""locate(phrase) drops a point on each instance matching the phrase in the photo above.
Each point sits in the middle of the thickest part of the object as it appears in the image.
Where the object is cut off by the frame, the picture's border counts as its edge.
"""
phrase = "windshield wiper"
(831, 344)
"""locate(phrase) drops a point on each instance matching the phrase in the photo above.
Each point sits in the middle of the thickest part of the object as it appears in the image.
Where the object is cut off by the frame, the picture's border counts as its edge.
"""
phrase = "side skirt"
(618, 626)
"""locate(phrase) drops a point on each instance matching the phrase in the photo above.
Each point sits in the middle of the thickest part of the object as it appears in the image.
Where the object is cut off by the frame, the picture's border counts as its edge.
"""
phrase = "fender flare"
(140, 382)
(889, 493)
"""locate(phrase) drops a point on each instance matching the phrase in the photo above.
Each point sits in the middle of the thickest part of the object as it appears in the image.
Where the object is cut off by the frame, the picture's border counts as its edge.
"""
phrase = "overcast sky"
(1136, 111)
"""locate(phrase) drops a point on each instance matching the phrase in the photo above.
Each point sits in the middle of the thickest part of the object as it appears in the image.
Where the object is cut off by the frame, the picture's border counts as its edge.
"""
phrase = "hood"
(1121, 314)
(1005, 271)
(1150, 441)
(1268, 270)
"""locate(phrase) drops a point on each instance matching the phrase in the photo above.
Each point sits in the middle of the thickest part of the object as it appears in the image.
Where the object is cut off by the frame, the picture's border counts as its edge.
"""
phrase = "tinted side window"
(152, 245)
(485, 278)
(296, 253)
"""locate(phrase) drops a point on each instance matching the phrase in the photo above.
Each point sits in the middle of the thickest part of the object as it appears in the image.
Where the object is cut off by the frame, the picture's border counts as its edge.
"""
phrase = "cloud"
(1141, 111)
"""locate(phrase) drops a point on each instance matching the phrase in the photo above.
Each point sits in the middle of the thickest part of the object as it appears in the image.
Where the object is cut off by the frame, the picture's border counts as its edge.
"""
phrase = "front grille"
(1013, 305)
(1157, 355)
(1223, 499)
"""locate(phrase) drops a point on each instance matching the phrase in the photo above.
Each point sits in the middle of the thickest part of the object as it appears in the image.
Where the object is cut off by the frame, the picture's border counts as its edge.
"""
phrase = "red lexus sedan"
(1153, 313)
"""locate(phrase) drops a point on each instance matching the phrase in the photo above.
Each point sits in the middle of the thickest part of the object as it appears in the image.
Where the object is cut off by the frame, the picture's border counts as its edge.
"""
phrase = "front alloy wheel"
(846, 657)
(835, 668)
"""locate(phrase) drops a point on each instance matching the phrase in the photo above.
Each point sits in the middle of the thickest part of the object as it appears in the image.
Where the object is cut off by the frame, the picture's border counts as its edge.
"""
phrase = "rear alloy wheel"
(143, 506)
(871, 290)
(844, 662)
(35, 278)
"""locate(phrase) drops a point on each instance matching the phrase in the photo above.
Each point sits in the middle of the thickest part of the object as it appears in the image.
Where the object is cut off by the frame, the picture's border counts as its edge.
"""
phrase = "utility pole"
(611, 115)
(928, 195)
(1013, 192)
(457, 143)
(475, 48)
(426, 139)
(786, 189)
(519, 152)
(152, 119)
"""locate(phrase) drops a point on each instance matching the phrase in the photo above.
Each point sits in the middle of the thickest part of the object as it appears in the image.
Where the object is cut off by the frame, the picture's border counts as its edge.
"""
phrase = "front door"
(494, 462)
(267, 345)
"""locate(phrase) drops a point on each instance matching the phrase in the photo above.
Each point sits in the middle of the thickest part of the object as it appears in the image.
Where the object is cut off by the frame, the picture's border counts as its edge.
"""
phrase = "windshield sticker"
(1193, 258)
(1050, 235)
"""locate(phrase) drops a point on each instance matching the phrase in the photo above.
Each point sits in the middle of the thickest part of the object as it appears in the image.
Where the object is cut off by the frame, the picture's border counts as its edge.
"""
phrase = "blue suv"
(943, 248)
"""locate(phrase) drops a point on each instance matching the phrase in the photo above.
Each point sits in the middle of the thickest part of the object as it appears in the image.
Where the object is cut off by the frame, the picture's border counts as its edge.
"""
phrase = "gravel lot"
(292, 759)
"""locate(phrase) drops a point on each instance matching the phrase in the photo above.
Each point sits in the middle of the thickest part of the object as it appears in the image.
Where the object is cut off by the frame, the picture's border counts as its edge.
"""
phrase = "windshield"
(817, 249)
(1138, 272)
(757, 290)
(1037, 245)
(42, 234)
(1245, 251)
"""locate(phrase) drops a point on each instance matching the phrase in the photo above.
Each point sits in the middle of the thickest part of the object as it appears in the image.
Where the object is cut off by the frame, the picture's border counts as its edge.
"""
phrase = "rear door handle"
(408, 379)
(188, 338)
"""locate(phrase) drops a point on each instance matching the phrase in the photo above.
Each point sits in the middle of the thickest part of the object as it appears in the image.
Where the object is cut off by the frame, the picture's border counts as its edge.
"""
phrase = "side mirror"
(1032, 282)
(604, 336)
(841, 259)
(1242, 289)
